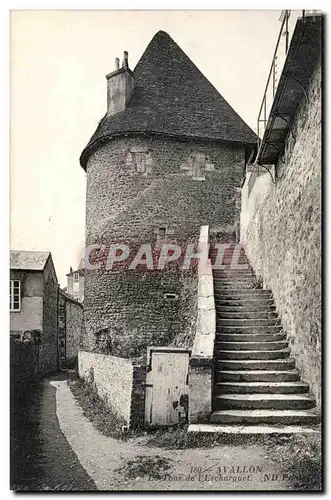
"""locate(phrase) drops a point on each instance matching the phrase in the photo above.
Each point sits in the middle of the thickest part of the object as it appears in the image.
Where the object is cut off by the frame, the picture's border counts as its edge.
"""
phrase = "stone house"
(33, 302)
(172, 163)
(75, 282)
(38, 305)
(70, 329)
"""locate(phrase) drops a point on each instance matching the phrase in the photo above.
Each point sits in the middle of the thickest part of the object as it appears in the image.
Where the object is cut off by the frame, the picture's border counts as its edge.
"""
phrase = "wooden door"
(167, 387)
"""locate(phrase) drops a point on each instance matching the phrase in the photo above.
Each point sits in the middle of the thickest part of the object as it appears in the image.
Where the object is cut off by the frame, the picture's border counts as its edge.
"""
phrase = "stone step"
(230, 266)
(250, 337)
(247, 322)
(276, 417)
(234, 277)
(230, 259)
(245, 364)
(252, 355)
(257, 376)
(247, 283)
(262, 314)
(264, 401)
(248, 329)
(261, 387)
(242, 278)
(228, 256)
(251, 346)
(246, 294)
(253, 429)
(248, 298)
(225, 271)
(248, 306)
(240, 285)
(248, 303)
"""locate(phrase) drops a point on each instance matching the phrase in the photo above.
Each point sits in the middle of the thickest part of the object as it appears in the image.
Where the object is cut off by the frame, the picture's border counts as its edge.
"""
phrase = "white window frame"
(75, 277)
(12, 288)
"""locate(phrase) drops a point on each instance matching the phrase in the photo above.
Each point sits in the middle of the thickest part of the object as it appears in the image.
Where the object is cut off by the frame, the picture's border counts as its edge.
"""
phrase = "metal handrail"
(272, 72)
(266, 106)
(272, 78)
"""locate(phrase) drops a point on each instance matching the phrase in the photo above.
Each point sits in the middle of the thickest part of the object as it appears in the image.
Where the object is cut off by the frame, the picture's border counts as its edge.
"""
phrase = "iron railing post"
(287, 15)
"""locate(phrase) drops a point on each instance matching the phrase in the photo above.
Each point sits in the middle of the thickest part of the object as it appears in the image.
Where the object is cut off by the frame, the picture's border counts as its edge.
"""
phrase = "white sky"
(59, 60)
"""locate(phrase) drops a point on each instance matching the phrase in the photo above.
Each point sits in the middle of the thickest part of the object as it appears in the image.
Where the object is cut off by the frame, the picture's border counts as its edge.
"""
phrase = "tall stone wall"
(74, 320)
(49, 355)
(135, 187)
(282, 235)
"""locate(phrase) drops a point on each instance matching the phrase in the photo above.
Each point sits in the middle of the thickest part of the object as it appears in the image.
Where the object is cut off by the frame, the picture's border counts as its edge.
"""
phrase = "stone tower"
(168, 157)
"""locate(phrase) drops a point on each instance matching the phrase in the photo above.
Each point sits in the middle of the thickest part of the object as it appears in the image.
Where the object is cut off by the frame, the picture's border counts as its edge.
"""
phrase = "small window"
(162, 232)
(15, 295)
(140, 161)
(76, 276)
(170, 296)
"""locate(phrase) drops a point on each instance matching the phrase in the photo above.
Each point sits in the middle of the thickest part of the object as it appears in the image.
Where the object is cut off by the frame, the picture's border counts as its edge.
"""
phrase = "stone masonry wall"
(118, 383)
(138, 396)
(74, 320)
(70, 324)
(283, 238)
(174, 185)
(49, 355)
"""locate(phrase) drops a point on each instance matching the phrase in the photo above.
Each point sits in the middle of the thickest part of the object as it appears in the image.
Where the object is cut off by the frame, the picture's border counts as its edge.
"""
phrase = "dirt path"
(191, 469)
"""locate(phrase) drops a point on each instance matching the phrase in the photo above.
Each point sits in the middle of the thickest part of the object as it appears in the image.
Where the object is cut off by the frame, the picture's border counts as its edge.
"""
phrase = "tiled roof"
(28, 260)
(172, 97)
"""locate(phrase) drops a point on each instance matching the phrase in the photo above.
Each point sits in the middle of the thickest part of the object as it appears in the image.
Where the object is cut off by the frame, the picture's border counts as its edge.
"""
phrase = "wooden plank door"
(167, 388)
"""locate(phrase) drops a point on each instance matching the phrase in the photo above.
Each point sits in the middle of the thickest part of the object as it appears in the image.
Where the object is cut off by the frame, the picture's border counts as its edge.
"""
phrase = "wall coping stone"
(203, 346)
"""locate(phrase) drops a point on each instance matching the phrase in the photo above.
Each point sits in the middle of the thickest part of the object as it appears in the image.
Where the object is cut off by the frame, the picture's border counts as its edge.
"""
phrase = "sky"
(59, 60)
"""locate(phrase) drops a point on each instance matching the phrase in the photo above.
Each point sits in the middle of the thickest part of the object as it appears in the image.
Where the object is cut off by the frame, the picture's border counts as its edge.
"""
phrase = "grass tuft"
(180, 439)
(300, 458)
(96, 410)
(154, 467)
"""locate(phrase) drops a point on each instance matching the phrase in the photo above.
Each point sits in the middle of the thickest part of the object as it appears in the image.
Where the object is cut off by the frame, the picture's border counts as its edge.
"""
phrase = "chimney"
(120, 85)
(70, 270)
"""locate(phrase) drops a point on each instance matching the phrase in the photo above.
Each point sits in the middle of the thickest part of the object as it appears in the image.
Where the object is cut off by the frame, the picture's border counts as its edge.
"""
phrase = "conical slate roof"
(172, 97)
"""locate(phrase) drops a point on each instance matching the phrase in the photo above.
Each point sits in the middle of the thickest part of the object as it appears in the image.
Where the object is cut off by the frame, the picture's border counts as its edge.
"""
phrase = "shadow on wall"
(24, 361)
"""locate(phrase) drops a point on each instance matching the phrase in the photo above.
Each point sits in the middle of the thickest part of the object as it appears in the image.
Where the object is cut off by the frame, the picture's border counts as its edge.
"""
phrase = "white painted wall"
(30, 317)
(253, 196)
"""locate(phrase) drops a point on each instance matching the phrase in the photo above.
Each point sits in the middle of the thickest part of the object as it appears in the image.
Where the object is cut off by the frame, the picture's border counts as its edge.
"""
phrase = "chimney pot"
(70, 270)
(120, 86)
(125, 63)
(117, 63)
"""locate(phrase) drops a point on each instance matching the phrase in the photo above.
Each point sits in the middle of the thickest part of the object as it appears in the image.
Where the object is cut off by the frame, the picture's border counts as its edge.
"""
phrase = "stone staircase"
(256, 382)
